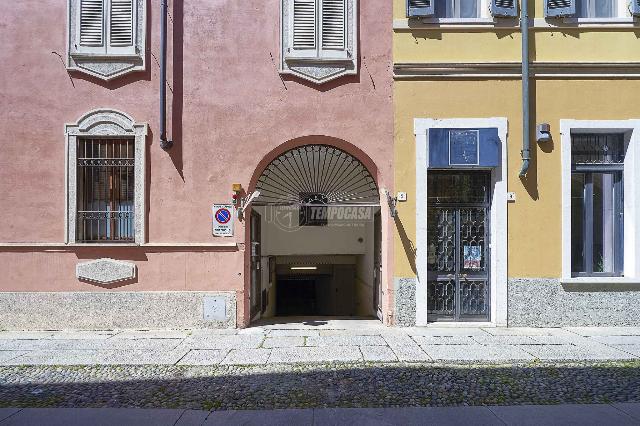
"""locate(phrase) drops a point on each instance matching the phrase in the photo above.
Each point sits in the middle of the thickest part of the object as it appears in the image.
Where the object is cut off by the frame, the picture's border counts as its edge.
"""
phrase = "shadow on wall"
(409, 248)
(177, 97)
(341, 386)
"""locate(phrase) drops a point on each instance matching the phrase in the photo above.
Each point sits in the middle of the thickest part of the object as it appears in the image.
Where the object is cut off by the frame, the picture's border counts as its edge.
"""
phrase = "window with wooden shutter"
(106, 27)
(420, 8)
(333, 28)
(319, 29)
(121, 28)
(91, 25)
(504, 8)
(558, 8)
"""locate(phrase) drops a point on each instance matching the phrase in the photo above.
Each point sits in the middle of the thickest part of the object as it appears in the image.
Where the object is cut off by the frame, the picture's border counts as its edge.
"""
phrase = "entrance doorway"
(458, 204)
(319, 237)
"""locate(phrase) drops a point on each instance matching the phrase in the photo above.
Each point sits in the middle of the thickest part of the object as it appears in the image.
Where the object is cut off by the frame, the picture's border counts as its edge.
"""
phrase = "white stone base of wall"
(116, 310)
(540, 302)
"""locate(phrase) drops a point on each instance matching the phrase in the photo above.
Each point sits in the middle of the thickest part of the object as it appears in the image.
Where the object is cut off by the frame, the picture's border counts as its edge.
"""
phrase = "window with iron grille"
(597, 204)
(105, 190)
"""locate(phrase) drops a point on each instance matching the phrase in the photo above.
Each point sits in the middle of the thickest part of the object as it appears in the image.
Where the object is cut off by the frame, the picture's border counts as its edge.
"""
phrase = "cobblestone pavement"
(318, 385)
(319, 364)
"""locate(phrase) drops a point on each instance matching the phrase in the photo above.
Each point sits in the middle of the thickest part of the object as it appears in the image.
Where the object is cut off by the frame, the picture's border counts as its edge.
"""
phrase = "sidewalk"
(583, 415)
(319, 342)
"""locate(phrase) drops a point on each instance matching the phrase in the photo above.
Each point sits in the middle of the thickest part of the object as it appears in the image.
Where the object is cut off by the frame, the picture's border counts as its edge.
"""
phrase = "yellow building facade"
(475, 241)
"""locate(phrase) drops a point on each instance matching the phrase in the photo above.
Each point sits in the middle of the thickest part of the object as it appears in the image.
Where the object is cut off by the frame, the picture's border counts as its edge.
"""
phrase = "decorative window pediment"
(107, 38)
(318, 38)
(106, 179)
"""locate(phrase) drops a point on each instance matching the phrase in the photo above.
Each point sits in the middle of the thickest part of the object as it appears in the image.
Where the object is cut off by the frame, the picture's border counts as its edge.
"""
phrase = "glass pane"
(603, 223)
(577, 222)
(441, 234)
(468, 8)
(472, 240)
(444, 8)
(604, 8)
(597, 148)
(457, 187)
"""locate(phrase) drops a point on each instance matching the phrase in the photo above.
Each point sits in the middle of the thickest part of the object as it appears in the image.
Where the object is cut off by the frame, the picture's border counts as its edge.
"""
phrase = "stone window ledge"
(601, 280)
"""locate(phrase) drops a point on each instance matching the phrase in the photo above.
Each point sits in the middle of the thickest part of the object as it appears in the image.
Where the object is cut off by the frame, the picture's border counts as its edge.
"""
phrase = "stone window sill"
(601, 280)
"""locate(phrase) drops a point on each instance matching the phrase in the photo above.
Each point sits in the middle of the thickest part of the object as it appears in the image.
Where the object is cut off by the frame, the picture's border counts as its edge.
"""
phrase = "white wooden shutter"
(304, 28)
(333, 25)
(122, 26)
(91, 26)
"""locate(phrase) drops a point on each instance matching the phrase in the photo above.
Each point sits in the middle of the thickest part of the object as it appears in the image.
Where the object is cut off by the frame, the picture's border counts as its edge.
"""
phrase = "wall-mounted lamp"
(543, 132)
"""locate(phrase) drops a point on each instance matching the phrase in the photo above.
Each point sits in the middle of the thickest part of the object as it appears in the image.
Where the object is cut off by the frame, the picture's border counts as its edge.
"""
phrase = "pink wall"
(230, 109)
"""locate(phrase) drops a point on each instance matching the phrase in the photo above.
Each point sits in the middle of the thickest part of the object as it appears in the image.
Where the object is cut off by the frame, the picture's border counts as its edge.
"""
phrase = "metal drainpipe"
(526, 139)
(164, 143)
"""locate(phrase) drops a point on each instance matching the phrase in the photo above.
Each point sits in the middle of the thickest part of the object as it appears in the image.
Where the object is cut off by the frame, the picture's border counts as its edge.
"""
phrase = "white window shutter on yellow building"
(92, 23)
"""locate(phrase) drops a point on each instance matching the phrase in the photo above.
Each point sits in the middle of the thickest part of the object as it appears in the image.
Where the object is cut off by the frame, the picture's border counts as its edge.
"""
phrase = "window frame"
(320, 54)
(631, 209)
(105, 124)
(481, 5)
(588, 171)
(106, 63)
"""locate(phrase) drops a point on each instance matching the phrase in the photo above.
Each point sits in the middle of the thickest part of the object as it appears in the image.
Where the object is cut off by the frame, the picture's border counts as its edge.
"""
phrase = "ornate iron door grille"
(458, 246)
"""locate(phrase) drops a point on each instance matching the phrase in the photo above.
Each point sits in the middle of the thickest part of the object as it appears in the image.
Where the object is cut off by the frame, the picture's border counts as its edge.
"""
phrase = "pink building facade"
(241, 93)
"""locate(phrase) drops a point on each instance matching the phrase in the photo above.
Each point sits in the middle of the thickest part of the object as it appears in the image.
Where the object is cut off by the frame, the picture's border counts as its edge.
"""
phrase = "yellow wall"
(534, 223)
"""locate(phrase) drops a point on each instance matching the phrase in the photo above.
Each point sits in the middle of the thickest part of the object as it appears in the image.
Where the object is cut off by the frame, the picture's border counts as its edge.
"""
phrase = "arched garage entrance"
(315, 234)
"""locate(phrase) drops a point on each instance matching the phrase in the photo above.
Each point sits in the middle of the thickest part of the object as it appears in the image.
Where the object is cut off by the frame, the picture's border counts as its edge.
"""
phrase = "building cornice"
(512, 70)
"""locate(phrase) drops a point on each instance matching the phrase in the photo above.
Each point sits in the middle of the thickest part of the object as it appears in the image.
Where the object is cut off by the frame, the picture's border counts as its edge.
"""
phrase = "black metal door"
(458, 246)
(256, 272)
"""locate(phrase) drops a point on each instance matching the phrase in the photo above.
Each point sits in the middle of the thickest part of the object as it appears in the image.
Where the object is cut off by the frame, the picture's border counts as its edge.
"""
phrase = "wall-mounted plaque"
(463, 147)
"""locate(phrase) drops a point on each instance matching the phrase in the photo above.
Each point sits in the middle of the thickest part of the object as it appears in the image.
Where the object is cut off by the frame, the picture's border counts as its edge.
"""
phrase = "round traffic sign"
(223, 216)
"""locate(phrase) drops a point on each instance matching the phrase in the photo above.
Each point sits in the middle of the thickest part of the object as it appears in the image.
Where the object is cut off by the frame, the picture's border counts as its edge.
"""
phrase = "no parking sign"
(223, 220)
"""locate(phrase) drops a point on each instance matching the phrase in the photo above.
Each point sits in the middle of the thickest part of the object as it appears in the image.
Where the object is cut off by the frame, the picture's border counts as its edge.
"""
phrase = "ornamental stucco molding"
(102, 65)
(319, 70)
(110, 123)
(105, 271)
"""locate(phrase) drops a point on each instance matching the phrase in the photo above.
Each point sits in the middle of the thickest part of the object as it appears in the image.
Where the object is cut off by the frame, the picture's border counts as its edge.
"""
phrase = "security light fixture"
(543, 132)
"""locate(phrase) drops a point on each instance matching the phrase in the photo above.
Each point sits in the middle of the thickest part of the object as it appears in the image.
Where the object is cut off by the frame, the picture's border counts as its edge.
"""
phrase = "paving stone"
(345, 341)
(378, 353)
(572, 339)
(605, 331)
(315, 354)
(204, 357)
(82, 335)
(503, 340)
(443, 340)
(94, 417)
(192, 418)
(405, 416)
(152, 334)
(631, 409)
(246, 357)
(577, 353)
(213, 332)
(7, 412)
(293, 333)
(283, 342)
(579, 415)
(9, 355)
(96, 357)
(617, 340)
(406, 349)
(526, 331)
(477, 353)
(252, 341)
(631, 349)
(252, 331)
(363, 332)
(25, 335)
(445, 331)
(261, 417)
